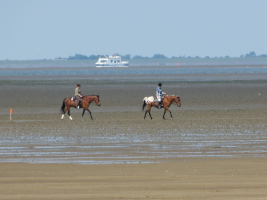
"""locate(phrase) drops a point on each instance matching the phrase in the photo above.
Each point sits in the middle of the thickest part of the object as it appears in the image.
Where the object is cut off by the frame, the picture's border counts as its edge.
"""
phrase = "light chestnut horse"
(86, 101)
(166, 103)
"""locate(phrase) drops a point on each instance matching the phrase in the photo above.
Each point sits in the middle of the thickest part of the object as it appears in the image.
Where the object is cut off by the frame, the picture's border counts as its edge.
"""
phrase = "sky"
(48, 29)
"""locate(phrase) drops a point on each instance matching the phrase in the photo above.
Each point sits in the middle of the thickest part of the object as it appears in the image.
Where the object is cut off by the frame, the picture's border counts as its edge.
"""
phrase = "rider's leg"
(78, 102)
(159, 102)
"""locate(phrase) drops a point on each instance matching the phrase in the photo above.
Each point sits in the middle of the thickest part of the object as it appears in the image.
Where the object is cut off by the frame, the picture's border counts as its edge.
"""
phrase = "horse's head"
(97, 101)
(91, 98)
(177, 100)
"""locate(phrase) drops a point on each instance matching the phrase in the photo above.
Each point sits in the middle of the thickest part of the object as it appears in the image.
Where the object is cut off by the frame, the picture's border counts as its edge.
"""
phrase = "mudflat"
(214, 148)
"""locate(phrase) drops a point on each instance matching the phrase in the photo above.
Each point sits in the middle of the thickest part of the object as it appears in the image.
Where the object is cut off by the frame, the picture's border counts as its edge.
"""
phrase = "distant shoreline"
(133, 67)
(166, 62)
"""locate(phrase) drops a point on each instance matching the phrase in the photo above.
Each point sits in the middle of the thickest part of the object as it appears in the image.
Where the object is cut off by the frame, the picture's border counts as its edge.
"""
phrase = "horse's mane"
(92, 95)
(171, 95)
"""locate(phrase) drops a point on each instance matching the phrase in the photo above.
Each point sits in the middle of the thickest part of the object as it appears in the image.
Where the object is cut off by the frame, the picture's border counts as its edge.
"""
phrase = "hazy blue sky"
(37, 29)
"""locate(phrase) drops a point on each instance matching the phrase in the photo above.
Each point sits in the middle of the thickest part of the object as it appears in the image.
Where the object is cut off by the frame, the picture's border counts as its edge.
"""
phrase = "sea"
(133, 71)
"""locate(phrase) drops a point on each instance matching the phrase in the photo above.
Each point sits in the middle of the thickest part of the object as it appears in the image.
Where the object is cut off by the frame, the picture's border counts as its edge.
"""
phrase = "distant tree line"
(83, 57)
(155, 56)
(252, 54)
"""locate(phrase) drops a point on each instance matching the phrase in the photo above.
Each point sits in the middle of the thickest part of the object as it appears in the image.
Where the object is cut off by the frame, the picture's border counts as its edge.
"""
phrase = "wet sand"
(214, 148)
(183, 179)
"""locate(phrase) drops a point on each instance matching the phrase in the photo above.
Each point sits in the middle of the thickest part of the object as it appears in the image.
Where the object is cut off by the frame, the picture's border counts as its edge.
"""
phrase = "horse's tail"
(63, 106)
(144, 103)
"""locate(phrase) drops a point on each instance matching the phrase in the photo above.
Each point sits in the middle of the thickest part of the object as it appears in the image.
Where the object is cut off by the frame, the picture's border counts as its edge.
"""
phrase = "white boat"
(111, 61)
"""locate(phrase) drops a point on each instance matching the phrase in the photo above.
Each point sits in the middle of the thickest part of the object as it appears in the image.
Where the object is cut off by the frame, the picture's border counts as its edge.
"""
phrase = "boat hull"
(111, 61)
(112, 65)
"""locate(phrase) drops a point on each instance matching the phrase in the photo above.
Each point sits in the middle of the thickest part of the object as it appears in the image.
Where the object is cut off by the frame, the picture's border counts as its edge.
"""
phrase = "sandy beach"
(214, 148)
(184, 179)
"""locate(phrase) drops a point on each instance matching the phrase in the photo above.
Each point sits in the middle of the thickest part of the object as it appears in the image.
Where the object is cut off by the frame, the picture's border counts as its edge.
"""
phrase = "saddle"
(73, 98)
(156, 100)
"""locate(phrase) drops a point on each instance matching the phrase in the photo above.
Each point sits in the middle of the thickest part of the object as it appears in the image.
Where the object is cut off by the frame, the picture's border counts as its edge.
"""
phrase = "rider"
(78, 95)
(159, 95)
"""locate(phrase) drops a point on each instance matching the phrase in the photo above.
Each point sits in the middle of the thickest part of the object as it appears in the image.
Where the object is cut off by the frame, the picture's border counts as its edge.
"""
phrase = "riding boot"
(159, 105)
(78, 105)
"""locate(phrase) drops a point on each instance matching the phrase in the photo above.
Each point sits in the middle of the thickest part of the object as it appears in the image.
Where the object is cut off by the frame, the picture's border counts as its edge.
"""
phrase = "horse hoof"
(171, 118)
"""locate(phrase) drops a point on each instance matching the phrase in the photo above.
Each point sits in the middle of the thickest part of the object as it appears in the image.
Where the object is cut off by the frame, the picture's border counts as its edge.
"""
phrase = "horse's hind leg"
(145, 115)
(63, 114)
(69, 114)
(148, 110)
(150, 115)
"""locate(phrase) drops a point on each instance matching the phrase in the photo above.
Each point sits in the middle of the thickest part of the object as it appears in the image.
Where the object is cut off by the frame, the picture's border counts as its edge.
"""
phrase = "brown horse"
(167, 101)
(86, 101)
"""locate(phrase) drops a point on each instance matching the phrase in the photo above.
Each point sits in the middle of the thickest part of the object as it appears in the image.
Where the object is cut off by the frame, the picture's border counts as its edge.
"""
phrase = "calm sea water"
(133, 71)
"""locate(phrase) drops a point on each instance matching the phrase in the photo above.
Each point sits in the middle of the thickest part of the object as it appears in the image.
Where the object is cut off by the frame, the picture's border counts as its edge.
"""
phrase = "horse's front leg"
(170, 114)
(165, 113)
(83, 114)
(89, 113)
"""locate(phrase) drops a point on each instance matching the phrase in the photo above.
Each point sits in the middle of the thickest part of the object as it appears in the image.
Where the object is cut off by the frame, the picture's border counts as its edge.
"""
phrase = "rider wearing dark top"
(159, 94)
